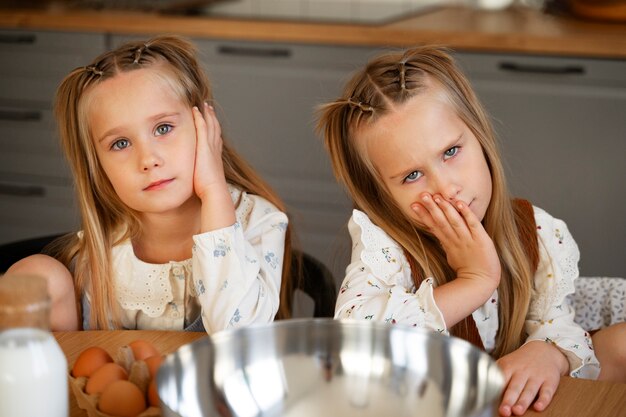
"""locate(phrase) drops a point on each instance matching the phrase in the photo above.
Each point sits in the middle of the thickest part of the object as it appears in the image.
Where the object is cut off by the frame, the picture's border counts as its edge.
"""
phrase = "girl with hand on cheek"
(438, 242)
(178, 232)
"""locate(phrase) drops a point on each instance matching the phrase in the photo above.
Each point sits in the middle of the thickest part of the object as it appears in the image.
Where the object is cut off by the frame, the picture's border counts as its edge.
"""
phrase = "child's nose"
(150, 159)
(448, 188)
(152, 163)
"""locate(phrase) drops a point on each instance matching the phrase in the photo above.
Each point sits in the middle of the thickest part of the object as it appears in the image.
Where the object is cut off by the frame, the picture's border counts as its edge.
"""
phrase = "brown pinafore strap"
(527, 229)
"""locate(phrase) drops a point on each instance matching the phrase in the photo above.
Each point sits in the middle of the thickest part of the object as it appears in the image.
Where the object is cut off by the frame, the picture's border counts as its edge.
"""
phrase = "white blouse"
(378, 286)
(234, 275)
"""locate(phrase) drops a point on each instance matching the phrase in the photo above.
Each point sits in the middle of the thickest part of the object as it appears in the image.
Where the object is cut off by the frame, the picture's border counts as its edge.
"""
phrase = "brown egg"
(103, 376)
(122, 399)
(154, 362)
(89, 361)
(142, 349)
(153, 394)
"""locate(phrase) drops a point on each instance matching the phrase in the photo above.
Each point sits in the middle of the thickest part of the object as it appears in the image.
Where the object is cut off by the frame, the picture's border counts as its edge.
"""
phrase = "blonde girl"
(178, 231)
(437, 241)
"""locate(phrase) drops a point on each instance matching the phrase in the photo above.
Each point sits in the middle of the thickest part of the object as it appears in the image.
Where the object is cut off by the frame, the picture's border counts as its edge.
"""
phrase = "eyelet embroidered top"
(378, 286)
(233, 277)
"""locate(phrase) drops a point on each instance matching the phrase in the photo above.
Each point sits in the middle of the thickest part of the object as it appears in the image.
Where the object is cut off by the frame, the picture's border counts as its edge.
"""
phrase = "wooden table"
(575, 397)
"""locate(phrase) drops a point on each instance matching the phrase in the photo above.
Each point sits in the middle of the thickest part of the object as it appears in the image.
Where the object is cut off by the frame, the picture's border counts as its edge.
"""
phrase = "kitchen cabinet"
(266, 95)
(562, 127)
(560, 121)
(36, 193)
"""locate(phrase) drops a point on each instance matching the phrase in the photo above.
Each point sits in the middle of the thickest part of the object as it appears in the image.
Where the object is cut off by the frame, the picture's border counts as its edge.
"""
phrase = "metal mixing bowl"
(329, 368)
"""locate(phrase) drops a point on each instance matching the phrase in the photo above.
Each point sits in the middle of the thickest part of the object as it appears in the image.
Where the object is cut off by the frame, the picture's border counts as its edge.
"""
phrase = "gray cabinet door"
(562, 127)
(36, 193)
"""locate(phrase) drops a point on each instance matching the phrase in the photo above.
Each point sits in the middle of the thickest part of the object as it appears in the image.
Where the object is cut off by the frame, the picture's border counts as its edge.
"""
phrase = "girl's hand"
(469, 249)
(532, 371)
(209, 182)
(209, 170)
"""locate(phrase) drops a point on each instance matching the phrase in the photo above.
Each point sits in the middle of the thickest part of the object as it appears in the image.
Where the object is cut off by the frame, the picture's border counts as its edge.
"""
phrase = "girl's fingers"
(526, 397)
(473, 223)
(455, 220)
(511, 394)
(200, 123)
(545, 394)
(441, 226)
(214, 129)
(201, 127)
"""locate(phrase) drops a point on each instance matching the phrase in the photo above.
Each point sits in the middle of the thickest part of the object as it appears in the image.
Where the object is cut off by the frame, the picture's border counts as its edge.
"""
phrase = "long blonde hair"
(391, 80)
(103, 213)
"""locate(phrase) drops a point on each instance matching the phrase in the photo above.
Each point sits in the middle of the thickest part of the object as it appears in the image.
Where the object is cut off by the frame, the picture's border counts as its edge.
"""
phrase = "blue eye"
(120, 144)
(413, 176)
(163, 129)
(451, 152)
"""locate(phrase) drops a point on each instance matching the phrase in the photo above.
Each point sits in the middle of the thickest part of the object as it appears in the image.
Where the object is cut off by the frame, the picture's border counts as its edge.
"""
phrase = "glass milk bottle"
(33, 369)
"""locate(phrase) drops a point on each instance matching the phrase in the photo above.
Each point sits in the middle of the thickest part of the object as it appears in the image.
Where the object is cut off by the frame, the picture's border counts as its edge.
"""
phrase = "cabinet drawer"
(30, 209)
(32, 64)
(29, 143)
(544, 70)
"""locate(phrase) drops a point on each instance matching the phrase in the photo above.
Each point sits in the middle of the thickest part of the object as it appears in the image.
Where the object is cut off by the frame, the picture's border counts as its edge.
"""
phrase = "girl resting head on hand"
(437, 240)
(178, 231)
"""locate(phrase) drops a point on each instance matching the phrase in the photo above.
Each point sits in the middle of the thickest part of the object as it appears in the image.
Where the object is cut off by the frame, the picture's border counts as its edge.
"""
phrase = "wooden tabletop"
(514, 30)
(575, 397)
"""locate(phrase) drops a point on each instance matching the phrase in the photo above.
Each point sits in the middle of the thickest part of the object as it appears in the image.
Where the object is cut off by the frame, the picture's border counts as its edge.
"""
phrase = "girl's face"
(145, 140)
(421, 147)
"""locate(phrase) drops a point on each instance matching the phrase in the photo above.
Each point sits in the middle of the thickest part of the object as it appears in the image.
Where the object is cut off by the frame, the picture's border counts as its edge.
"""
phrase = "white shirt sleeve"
(550, 318)
(237, 270)
(378, 284)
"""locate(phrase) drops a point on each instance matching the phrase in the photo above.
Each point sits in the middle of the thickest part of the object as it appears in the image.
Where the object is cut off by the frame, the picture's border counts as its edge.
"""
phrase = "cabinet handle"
(18, 39)
(22, 190)
(254, 52)
(20, 115)
(542, 69)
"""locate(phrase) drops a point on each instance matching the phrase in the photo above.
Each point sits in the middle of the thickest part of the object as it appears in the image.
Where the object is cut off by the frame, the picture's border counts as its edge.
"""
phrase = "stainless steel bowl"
(327, 368)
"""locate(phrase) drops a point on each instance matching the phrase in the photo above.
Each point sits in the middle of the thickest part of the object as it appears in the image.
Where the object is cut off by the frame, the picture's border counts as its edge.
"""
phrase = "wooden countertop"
(514, 30)
(574, 397)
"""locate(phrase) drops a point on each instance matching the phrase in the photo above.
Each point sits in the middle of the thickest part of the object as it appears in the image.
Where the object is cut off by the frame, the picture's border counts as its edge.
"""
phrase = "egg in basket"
(124, 387)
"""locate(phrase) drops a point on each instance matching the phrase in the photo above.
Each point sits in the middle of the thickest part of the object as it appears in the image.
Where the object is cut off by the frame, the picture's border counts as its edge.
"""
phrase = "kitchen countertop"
(513, 30)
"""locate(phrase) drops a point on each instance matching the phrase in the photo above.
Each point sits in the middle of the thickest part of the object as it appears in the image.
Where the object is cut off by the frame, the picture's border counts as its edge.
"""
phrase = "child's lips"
(157, 185)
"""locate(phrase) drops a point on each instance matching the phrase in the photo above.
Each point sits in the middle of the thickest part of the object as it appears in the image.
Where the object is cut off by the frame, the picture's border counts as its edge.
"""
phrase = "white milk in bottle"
(33, 369)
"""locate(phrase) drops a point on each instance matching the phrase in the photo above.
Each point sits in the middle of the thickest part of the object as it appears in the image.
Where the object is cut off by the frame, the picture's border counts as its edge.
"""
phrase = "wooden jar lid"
(24, 301)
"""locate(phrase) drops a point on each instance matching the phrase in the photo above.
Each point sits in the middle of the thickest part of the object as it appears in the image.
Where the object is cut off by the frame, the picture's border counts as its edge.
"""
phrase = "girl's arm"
(470, 252)
(237, 257)
(378, 283)
(555, 345)
(237, 270)
(550, 317)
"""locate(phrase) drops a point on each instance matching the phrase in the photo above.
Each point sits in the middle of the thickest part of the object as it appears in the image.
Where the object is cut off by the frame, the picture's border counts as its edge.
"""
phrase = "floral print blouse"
(378, 286)
(232, 279)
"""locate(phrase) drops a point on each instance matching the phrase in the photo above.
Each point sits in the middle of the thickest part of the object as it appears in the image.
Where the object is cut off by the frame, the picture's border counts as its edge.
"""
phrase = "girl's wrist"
(214, 190)
(488, 282)
(217, 208)
(559, 358)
